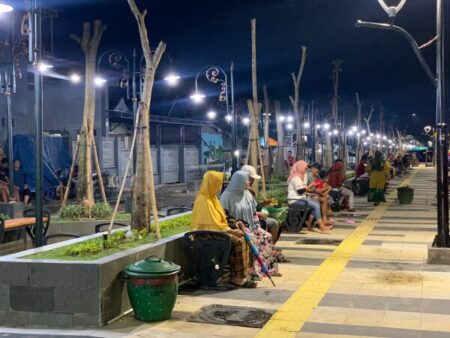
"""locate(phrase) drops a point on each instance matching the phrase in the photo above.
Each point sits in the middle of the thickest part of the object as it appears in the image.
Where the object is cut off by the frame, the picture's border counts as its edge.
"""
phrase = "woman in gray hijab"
(241, 205)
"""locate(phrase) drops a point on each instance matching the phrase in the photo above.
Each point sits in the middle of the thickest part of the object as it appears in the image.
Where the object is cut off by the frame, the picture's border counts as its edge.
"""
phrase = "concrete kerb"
(438, 256)
(58, 293)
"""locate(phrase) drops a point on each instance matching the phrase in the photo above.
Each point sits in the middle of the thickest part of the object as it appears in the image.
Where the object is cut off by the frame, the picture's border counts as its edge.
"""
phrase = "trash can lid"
(152, 267)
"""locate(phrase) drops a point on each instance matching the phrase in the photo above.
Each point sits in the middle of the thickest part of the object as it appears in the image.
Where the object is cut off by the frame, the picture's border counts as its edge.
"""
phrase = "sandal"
(282, 259)
(249, 285)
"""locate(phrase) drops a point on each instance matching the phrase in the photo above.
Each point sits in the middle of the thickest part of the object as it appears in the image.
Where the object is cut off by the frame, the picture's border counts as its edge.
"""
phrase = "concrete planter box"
(55, 293)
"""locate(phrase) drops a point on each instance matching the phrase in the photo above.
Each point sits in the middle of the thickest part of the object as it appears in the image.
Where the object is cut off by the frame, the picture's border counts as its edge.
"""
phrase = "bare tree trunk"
(337, 69)
(279, 169)
(359, 150)
(143, 190)
(254, 110)
(267, 151)
(367, 119)
(89, 44)
(296, 106)
(328, 150)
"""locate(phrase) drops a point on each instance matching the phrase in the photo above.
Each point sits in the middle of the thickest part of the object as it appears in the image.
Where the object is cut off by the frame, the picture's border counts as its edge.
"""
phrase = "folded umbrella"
(256, 253)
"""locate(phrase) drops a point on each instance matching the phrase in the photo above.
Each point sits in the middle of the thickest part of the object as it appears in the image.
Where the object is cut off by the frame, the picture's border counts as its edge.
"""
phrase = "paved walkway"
(376, 283)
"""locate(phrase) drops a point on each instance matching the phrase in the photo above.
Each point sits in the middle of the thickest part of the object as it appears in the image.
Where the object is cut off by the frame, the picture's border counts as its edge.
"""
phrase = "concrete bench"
(27, 222)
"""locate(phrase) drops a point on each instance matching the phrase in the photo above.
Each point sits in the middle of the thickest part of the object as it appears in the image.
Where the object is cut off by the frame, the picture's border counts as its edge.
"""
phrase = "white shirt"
(295, 184)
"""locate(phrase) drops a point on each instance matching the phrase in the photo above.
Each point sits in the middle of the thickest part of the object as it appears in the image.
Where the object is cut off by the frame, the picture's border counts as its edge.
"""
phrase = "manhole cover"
(320, 241)
(232, 315)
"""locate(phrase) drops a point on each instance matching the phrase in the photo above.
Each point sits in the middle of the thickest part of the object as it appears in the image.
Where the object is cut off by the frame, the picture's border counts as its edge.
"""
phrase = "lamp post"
(213, 74)
(438, 81)
(8, 88)
(35, 54)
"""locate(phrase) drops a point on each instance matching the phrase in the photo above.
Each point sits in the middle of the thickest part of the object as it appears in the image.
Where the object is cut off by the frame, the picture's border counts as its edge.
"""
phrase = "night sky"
(380, 65)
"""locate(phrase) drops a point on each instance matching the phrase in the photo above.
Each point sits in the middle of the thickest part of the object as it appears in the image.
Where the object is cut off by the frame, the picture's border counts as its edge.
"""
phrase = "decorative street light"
(5, 8)
(75, 78)
(211, 115)
(217, 75)
(438, 80)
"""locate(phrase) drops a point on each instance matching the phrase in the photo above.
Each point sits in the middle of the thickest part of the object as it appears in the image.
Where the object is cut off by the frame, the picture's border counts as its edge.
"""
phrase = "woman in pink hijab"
(297, 187)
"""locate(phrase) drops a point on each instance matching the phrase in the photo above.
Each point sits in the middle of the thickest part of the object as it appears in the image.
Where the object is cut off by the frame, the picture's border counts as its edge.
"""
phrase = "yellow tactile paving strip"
(293, 314)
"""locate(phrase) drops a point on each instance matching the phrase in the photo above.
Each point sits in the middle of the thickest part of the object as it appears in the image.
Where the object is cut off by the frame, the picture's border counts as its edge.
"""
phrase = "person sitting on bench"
(336, 179)
(241, 205)
(21, 184)
(297, 187)
(208, 214)
(4, 181)
(271, 224)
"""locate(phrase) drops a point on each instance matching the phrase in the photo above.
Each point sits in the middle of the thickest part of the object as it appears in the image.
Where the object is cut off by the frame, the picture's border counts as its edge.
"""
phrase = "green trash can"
(152, 288)
(405, 194)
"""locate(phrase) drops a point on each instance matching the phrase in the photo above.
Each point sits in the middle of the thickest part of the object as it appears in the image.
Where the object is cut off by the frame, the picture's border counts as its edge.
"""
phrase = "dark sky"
(379, 65)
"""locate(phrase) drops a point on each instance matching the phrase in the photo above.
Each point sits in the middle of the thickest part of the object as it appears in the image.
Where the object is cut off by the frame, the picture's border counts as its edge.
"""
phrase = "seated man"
(21, 184)
(336, 179)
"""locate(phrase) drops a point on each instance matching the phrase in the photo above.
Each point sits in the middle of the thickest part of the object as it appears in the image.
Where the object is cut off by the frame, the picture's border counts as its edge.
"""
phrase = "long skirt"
(377, 182)
(264, 243)
(240, 258)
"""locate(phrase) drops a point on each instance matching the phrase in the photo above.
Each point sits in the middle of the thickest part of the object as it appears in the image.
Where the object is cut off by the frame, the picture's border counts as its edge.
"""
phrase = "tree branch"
(76, 38)
(140, 18)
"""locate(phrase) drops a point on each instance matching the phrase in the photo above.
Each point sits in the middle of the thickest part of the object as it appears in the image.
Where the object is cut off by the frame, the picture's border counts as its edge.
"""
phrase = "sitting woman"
(318, 190)
(297, 187)
(208, 214)
(240, 204)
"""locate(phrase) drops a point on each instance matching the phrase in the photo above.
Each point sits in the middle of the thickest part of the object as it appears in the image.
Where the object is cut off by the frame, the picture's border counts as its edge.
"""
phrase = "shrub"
(73, 211)
(4, 216)
(100, 210)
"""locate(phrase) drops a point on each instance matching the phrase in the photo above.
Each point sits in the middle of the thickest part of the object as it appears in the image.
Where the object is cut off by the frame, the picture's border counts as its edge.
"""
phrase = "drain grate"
(231, 315)
(320, 241)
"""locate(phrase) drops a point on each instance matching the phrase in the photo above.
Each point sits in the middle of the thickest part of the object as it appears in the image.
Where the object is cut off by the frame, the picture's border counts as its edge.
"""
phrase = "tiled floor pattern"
(385, 290)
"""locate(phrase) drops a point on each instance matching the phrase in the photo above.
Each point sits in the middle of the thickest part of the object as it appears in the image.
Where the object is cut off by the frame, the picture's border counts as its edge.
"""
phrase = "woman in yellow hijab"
(208, 214)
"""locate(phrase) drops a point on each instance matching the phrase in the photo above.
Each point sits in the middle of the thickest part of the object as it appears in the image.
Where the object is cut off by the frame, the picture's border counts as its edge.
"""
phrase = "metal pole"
(38, 108)
(442, 239)
(234, 161)
(10, 143)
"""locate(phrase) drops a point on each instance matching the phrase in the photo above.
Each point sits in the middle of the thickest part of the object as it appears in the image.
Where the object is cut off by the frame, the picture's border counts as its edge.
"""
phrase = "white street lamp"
(318, 126)
(363, 132)
(306, 125)
(228, 118)
(43, 67)
(335, 132)
(354, 128)
(282, 118)
(99, 81)
(197, 97)
(246, 121)
(289, 126)
(4, 8)
(290, 119)
(326, 126)
(211, 115)
(75, 78)
(172, 79)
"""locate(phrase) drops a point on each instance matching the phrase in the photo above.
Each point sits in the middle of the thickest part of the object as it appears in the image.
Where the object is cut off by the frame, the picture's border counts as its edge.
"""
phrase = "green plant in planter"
(4, 216)
(71, 211)
(118, 241)
(100, 210)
